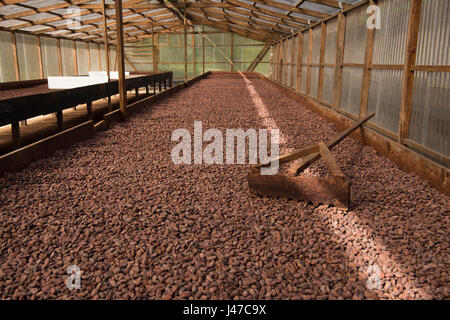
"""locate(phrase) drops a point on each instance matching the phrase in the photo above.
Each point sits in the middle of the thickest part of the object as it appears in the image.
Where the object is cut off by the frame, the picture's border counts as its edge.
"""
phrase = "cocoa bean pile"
(140, 227)
(7, 94)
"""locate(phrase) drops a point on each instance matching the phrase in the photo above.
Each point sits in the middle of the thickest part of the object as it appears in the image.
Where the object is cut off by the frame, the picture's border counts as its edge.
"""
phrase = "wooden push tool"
(334, 190)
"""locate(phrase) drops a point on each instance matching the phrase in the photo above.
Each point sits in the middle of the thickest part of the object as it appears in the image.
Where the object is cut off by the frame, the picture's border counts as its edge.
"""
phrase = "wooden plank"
(322, 60)
(75, 60)
(330, 161)
(121, 60)
(89, 110)
(203, 49)
(291, 156)
(39, 49)
(58, 46)
(59, 120)
(408, 73)
(308, 75)
(108, 64)
(299, 61)
(155, 64)
(232, 53)
(431, 68)
(185, 43)
(193, 54)
(286, 53)
(15, 133)
(337, 84)
(16, 59)
(89, 57)
(365, 87)
(293, 62)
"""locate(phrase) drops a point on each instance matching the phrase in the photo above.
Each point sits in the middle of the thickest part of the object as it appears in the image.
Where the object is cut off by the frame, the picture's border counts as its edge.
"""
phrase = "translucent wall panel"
(67, 57)
(288, 49)
(328, 82)
(434, 33)
(390, 40)
(314, 81)
(94, 57)
(49, 47)
(385, 98)
(305, 47)
(430, 118)
(82, 58)
(351, 89)
(102, 57)
(304, 76)
(113, 58)
(355, 35)
(7, 71)
(330, 41)
(317, 34)
(27, 53)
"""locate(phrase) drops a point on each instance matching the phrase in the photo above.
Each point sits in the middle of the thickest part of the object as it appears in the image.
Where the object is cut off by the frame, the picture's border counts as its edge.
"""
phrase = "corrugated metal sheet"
(430, 118)
(49, 56)
(7, 71)
(385, 98)
(27, 54)
(351, 89)
(314, 81)
(355, 35)
(317, 35)
(330, 41)
(328, 82)
(82, 58)
(390, 40)
(67, 57)
(93, 51)
(434, 33)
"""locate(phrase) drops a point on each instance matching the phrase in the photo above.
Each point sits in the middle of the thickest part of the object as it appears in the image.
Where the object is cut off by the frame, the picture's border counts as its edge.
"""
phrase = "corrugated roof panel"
(91, 16)
(318, 7)
(259, 5)
(304, 16)
(11, 23)
(34, 28)
(39, 16)
(11, 9)
(42, 3)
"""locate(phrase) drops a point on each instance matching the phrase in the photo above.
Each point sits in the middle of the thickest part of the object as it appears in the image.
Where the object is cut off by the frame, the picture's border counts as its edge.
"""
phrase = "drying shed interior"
(93, 95)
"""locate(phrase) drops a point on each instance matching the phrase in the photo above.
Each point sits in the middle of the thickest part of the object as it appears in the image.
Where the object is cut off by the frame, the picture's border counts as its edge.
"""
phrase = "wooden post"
(15, 133)
(155, 65)
(277, 62)
(408, 73)
(203, 48)
(89, 110)
(108, 67)
(59, 120)
(286, 51)
(120, 53)
(292, 62)
(165, 84)
(159, 86)
(232, 53)
(299, 61)
(58, 45)
(185, 43)
(368, 54)
(38, 45)
(322, 60)
(193, 52)
(337, 86)
(16, 59)
(308, 75)
(75, 60)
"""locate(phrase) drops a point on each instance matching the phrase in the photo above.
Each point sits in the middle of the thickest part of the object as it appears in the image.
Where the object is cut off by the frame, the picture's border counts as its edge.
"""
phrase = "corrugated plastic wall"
(430, 118)
(355, 42)
(82, 58)
(330, 58)
(93, 52)
(7, 71)
(50, 56)
(67, 57)
(27, 54)
(389, 48)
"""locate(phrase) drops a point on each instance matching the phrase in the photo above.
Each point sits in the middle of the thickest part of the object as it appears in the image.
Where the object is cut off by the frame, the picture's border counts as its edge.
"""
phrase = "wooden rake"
(334, 190)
